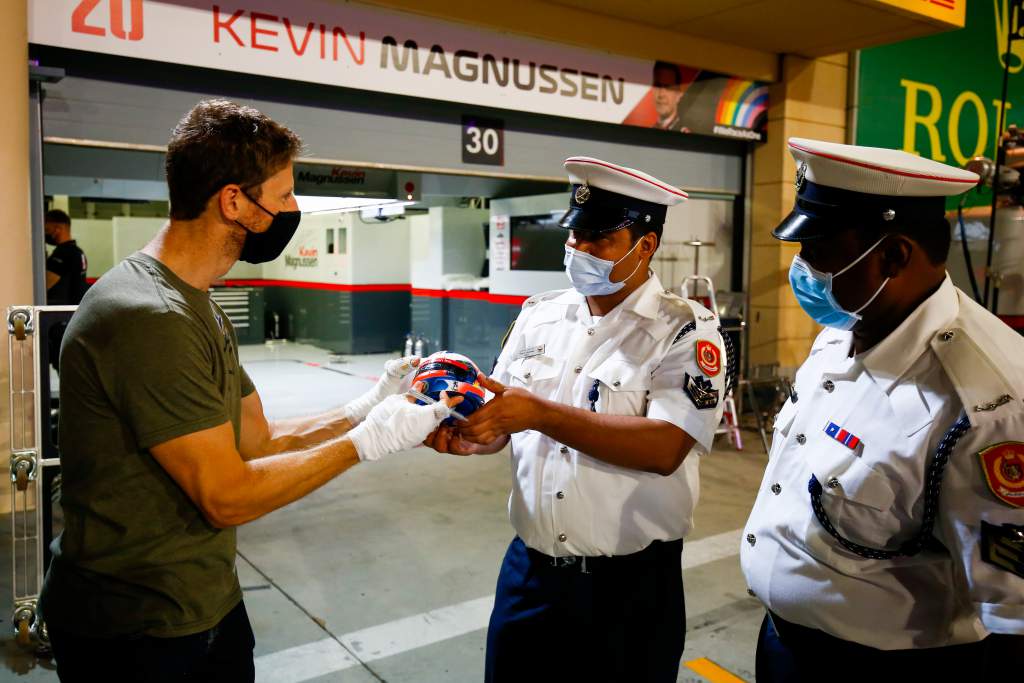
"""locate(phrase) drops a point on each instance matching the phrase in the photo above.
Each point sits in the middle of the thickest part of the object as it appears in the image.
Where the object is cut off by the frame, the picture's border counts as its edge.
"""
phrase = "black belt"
(653, 553)
(790, 633)
(815, 650)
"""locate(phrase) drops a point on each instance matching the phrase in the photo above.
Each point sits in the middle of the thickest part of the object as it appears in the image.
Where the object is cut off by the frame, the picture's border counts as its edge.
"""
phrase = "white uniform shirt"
(564, 502)
(897, 400)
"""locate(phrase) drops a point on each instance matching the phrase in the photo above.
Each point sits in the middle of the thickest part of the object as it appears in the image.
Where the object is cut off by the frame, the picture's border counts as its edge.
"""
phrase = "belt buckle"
(571, 561)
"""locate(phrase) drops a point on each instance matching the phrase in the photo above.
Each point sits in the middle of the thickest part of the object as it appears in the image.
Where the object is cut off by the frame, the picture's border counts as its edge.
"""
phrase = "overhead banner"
(371, 49)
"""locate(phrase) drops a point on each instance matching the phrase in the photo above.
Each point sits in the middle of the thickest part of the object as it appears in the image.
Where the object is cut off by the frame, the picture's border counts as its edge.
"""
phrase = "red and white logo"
(1003, 465)
(709, 358)
(88, 18)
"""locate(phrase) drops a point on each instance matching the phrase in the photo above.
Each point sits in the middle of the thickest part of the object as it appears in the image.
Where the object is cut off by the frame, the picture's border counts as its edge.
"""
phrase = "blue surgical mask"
(591, 276)
(813, 290)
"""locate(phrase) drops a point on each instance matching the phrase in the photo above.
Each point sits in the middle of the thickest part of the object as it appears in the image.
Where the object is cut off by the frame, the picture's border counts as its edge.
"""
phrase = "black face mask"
(50, 239)
(260, 247)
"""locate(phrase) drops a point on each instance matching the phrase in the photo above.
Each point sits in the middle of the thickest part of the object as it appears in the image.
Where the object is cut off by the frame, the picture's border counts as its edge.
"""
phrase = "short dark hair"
(57, 216)
(218, 143)
(933, 236)
(638, 230)
(667, 66)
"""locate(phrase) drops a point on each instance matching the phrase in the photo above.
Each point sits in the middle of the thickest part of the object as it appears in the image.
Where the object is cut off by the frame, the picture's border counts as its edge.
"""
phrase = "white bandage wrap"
(395, 425)
(390, 383)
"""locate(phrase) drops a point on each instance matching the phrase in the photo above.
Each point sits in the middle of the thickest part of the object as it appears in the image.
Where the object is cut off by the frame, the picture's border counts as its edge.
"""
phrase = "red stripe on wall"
(512, 299)
(317, 285)
(509, 299)
(1014, 321)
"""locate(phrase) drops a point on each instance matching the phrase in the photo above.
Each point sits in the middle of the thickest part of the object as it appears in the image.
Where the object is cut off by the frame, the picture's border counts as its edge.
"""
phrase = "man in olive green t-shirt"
(164, 444)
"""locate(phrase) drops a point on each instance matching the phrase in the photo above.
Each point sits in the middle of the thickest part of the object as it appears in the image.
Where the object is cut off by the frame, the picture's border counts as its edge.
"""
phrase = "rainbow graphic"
(741, 104)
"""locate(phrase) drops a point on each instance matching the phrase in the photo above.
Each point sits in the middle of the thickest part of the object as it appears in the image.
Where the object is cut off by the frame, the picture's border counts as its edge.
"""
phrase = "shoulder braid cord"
(730, 371)
(932, 488)
(687, 329)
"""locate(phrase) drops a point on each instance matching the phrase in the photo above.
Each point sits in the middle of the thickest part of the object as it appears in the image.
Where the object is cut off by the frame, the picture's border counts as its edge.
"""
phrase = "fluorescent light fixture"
(315, 204)
(384, 210)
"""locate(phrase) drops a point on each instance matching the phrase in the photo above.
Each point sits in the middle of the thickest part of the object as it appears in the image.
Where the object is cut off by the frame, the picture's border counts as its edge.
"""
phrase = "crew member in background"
(66, 265)
(164, 445)
(607, 391)
(887, 539)
(66, 268)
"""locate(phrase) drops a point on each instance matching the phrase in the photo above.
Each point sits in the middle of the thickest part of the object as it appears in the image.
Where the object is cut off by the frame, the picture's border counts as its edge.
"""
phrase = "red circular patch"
(1004, 471)
(709, 358)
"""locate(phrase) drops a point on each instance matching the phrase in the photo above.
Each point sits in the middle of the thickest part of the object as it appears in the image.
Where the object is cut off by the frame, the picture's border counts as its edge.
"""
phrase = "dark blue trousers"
(624, 619)
(790, 653)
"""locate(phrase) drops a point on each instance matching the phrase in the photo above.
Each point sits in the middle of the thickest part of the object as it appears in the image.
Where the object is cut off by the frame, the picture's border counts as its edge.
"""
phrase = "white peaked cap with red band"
(622, 180)
(877, 170)
(866, 188)
(607, 196)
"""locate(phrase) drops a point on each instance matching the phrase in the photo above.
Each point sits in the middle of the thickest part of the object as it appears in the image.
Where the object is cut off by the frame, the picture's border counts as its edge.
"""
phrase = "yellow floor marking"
(711, 671)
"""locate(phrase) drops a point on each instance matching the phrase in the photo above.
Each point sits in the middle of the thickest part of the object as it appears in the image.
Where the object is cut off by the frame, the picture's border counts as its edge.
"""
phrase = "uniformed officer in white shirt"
(911, 390)
(604, 389)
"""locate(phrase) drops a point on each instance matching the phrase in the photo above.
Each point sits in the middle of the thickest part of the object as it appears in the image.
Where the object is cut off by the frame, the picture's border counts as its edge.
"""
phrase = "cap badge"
(801, 176)
(582, 194)
(888, 215)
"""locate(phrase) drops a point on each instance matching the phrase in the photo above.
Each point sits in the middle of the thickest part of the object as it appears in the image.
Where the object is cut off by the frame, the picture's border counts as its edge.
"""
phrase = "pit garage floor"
(387, 573)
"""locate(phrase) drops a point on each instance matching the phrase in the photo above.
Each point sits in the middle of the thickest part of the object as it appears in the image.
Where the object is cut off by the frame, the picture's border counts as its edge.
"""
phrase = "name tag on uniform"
(530, 352)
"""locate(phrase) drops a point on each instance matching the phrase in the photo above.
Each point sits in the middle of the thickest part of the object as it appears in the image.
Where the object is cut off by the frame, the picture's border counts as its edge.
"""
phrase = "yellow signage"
(1007, 20)
(949, 12)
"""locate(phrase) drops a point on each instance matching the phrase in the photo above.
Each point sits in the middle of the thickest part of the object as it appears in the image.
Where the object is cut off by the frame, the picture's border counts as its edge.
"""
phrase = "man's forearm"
(276, 480)
(638, 443)
(300, 433)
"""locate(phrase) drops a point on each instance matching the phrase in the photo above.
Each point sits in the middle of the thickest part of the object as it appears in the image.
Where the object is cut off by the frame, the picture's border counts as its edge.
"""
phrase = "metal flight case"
(34, 335)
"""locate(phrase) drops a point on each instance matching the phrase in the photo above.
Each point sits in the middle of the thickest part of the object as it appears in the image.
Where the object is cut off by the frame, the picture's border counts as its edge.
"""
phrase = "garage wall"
(350, 125)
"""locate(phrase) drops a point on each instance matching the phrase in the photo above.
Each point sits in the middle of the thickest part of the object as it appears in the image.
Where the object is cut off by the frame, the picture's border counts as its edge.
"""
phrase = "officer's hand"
(448, 440)
(389, 384)
(397, 423)
(510, 411)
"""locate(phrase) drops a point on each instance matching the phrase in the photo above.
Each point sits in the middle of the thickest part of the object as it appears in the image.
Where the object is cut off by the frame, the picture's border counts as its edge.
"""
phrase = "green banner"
(940, 96)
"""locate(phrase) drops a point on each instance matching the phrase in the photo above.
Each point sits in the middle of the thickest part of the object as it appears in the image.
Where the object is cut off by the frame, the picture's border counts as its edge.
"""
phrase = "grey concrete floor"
(385, 573)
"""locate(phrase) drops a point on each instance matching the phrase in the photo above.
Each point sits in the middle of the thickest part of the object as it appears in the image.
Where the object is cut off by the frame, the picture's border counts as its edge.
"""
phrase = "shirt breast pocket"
(539, 374)
(621, 387)
(858, 500)
(851, 480)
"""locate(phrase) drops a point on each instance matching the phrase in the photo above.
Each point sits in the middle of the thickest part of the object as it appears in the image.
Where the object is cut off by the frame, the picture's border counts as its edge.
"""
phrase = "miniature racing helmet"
(454, 373)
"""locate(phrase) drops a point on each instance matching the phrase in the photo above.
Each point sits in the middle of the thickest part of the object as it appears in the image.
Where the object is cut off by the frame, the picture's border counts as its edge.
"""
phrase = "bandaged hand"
(389, 384)
(397, 424)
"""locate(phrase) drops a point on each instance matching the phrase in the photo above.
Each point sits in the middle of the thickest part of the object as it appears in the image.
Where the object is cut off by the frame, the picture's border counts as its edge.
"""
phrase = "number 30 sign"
(483, 141)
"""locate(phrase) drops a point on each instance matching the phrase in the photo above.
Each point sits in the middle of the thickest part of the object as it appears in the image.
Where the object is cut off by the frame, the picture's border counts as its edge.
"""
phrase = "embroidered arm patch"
(709, 358)
(1003, 546)
(1003, 464)
(702, 393)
